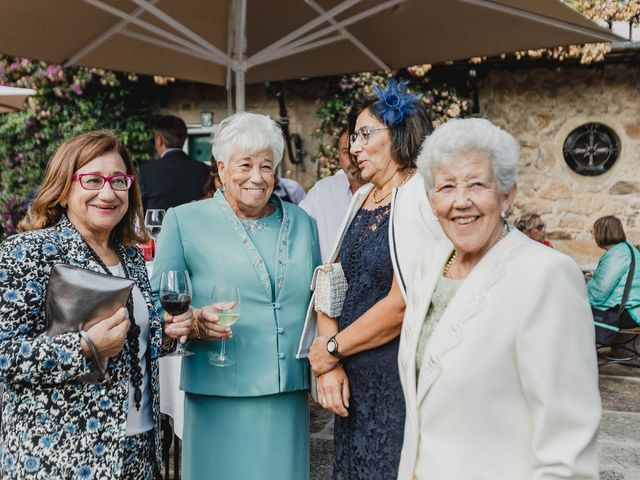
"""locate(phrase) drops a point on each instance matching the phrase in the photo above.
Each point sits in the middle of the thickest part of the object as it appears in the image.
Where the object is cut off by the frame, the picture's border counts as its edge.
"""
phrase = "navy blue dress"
(367, 443)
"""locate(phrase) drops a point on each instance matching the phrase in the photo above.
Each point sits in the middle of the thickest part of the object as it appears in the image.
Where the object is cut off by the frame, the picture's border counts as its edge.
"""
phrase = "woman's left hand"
(319, 358)
(179, 326)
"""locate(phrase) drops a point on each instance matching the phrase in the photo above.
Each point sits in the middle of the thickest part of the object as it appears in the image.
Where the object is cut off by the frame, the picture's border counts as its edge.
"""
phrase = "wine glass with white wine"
(226, 299)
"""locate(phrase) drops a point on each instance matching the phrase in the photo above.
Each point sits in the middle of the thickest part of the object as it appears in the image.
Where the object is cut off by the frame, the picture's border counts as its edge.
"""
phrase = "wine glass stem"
(223, 352)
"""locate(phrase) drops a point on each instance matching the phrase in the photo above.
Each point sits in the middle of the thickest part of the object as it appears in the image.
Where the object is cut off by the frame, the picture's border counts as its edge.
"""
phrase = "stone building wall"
(187, 100)
(540, 107)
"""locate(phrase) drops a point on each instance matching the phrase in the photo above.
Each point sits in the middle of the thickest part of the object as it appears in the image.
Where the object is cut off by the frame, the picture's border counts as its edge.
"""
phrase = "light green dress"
(249, 420)
(445, 289)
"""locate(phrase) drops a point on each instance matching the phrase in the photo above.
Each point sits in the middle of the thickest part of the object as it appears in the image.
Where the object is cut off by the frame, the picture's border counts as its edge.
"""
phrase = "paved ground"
(619, 439)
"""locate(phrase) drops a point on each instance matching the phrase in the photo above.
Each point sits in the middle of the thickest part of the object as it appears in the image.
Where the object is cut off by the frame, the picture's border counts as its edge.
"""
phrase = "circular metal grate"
(591, 149)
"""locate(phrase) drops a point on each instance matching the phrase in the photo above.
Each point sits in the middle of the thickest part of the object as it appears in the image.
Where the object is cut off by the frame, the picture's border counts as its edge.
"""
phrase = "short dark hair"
(608, 231)
(406, 137)
(172, 130)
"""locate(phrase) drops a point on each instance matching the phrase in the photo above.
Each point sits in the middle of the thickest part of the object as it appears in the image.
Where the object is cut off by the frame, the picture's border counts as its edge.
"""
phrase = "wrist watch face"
(331, 346)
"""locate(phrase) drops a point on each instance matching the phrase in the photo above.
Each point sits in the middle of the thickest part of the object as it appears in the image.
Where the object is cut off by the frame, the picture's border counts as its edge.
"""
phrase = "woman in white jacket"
(496, 356)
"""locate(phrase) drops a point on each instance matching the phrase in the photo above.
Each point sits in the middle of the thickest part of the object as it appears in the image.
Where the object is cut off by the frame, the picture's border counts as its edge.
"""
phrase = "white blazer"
(412, 227)
(508, 386)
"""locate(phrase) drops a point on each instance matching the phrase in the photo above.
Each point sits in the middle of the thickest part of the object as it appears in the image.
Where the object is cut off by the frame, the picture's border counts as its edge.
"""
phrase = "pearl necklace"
(454, 255)
(378, 200)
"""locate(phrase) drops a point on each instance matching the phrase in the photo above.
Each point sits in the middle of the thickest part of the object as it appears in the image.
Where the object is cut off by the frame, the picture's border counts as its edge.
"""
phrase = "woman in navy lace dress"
(355, 355)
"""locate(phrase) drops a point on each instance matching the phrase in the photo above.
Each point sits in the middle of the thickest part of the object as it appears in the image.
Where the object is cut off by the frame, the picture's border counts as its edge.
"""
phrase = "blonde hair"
(46, 208)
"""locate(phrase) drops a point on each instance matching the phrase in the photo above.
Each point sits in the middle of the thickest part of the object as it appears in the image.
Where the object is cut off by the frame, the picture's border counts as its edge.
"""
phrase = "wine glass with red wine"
(175, 297)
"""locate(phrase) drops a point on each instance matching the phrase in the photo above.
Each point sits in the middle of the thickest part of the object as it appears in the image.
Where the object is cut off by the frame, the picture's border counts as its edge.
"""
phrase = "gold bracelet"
(195, 326)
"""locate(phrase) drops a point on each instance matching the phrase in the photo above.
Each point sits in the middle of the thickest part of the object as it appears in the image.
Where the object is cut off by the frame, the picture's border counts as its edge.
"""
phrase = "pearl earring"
(503, 215)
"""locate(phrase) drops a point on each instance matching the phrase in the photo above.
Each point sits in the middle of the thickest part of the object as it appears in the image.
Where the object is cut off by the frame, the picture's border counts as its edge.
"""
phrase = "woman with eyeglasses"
(532, 225)
(84, 214)
(354, 356)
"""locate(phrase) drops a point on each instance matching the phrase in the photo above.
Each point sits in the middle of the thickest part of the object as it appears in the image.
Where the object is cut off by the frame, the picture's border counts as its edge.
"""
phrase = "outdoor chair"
(625, 350)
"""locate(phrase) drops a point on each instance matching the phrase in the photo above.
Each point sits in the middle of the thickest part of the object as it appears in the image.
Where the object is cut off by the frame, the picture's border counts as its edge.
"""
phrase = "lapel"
(282, 250)
(467, 303)
(420, 289)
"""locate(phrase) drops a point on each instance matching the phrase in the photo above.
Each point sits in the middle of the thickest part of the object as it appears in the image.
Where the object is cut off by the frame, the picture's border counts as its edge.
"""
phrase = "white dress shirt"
(327, 202)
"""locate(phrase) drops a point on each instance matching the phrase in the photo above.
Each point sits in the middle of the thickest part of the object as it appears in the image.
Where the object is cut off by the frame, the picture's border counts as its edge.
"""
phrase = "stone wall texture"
(540, 107)
(187, 100)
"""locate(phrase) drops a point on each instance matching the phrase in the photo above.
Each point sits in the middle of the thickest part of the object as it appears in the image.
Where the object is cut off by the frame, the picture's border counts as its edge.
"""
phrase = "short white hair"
(247, 133)
(461, 135)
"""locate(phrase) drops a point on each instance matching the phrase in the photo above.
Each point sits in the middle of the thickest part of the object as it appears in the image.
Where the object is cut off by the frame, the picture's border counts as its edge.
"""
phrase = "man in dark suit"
(174, 178)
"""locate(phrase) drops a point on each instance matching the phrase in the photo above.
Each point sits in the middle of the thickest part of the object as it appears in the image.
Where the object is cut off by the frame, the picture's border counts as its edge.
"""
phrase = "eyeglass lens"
(96, 182)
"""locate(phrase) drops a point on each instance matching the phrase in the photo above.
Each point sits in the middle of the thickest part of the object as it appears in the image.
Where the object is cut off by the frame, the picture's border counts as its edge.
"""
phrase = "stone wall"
(187, 100)
(540, 107)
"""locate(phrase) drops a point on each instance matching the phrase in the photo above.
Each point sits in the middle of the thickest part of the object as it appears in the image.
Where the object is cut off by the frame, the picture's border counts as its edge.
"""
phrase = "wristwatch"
(332, 348)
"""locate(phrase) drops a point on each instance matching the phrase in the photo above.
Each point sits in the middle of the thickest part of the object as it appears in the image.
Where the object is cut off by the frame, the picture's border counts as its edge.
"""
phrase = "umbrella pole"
(240, 104)
(239, 12)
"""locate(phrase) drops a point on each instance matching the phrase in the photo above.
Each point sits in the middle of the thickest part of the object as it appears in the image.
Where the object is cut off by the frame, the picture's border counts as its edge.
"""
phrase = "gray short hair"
(462, 135)
(247, 133)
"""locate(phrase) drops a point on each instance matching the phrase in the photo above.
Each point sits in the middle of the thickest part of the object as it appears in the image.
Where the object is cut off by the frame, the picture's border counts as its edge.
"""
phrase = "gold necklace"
(454, 255)
(378, 200)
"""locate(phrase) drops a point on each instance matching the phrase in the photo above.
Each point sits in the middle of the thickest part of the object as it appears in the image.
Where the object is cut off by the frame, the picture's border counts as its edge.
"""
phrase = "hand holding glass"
(175, 297)
(226, 300)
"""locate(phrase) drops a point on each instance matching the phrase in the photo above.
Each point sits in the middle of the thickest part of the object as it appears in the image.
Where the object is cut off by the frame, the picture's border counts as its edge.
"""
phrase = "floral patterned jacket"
(53, 426)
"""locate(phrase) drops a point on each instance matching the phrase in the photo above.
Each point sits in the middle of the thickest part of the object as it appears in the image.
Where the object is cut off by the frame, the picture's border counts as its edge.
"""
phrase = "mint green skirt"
(252, 438)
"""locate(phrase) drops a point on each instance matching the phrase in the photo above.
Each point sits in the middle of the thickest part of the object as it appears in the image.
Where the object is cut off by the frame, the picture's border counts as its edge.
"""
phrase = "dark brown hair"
(406, 137)
(608, 231)
(46, 209)
(172, 131)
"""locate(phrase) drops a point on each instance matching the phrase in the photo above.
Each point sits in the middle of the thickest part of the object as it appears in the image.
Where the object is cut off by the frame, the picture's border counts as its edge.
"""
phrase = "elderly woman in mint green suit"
(249, 420)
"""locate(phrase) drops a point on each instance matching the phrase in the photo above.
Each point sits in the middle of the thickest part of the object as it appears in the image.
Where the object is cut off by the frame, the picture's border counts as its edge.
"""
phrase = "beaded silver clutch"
(330, 287)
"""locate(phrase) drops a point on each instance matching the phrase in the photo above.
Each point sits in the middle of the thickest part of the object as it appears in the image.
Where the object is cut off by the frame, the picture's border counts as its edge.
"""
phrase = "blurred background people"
(53, 424)
(213, 183)
(355, 356)
(496, 356)
(289, 190)
(532, 225)
(327, 201)
(173, 178)
(606, 286)
(249, 420)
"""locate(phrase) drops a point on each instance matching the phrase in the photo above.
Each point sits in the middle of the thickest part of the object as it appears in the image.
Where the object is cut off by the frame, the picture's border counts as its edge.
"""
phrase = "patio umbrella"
(12, 99)
(239, 41)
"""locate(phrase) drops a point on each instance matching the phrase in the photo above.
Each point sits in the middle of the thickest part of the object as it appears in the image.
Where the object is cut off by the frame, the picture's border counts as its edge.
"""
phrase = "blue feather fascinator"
(394, 103)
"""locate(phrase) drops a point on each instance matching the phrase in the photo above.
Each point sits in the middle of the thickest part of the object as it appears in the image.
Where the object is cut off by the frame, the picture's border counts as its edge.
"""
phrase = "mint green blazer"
(207, 239)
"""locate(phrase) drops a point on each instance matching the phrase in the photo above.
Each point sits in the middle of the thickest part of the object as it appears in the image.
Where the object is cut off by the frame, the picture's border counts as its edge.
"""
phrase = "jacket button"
(276, 305)
(279, 330)
(281, 355)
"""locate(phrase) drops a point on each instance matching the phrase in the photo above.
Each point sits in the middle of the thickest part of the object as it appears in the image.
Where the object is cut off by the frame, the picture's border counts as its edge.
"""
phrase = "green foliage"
(442, 101)
(70, 101)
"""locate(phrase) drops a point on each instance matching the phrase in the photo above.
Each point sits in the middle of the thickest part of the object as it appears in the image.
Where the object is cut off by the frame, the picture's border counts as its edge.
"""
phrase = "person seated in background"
(289, 190)
(532, 225)
(606, 286)
(329, 198)
(174, 178)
